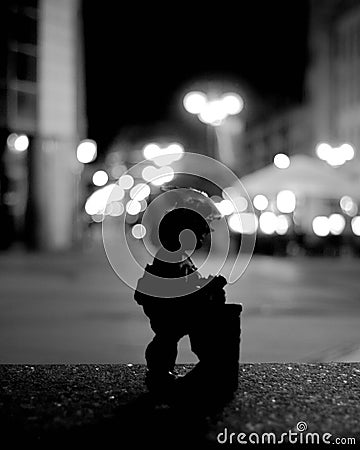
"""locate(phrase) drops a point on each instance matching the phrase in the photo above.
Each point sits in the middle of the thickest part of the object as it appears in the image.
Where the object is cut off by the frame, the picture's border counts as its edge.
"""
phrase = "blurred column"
(61, 124)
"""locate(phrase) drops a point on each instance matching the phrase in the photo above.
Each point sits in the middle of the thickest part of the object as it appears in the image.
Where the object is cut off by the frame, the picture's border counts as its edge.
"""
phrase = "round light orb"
(194, 102)
(151, 151)
(355, 225)
(163, 175)
(225, 207)
(133, 207)
(213, 113)
(117, 171)
(336, 224)
(282, 225)
(138, 231)
(322, 150)
(140, 191)
(268, 222)
(286, 201)
(281, 161)
(336, 157)
(260, 202)
(21, 143)
(240, 204)
(86, 151)
(148, 173)
(100, 178)
(348, 151)
(233, 103)
(117, 209)
(321, 226)
(245, 223)
(126, 181)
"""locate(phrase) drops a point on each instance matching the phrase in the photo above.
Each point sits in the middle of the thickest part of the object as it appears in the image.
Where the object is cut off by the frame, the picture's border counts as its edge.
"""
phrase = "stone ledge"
(97, 403)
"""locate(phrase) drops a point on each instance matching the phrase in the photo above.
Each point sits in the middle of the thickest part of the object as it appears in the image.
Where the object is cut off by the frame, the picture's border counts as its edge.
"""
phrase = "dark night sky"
(137, 58)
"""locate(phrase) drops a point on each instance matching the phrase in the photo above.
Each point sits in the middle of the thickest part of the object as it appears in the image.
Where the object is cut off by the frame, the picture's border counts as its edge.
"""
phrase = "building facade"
(330, 111)
(41, 98)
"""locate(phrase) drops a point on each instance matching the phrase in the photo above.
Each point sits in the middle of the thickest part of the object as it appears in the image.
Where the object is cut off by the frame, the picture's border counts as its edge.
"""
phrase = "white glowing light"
(97, 201)
(240, 203)
(348, 151)
(97, 218)
(21, 143)
(286, 201)
(11, 140)
(355, 225)
(126, 181)
(86, 151)
(117, 209)
(168, 155)
(143, 205)
(260, 202)
(133, 207)
(117, 171)
(140, 191)
(268, 222)
(163, 175)
(149, 172)
(117, 193)
(194, 102)
(323, 150)
(282, 225)
(321, 226)
(225, 207)
(213, 113)
(151, 151)
(232, 103)
(336, 224)
(281, 161)
(336, 157)
(245, 223)
(100, 178)
(138, 231)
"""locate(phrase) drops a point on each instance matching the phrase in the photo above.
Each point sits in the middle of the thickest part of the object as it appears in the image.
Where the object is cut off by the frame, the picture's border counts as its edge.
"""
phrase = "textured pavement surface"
(98, 404)
(71, 308)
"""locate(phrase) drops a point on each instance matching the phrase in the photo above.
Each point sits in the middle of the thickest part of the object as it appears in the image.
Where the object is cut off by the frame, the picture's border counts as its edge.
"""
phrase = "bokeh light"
(355, 225)
(321, 226)
(163, 175)
(140, 191)
(336, 224)
(232, 103)
(348, 205)
(100, 178)
(282, 225)
(286, 201)
(281, 161)
(260, 202)
(194, 102)
(126, 181)
(133, 207)
(225, 207)
(86, 151)
(245, 223)
(322, 150)
(268, 222)
(138, 231)
(21, 143)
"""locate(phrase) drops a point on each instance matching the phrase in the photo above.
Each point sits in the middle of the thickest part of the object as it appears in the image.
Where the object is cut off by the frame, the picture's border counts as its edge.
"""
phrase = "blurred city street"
(70, 307)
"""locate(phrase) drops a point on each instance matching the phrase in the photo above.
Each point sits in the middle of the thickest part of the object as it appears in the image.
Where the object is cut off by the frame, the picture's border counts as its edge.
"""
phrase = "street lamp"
(213, 110)
(335, 156)
(86, 151)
